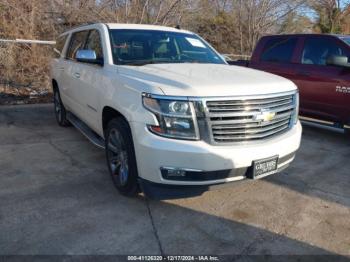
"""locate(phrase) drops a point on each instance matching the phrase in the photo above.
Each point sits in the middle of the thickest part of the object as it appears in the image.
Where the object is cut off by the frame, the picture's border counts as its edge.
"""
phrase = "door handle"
(61, 68)
(303, 73)
(77, 75)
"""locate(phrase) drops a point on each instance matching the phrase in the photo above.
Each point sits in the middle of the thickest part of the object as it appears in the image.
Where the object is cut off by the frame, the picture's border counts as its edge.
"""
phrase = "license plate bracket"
(264, 167)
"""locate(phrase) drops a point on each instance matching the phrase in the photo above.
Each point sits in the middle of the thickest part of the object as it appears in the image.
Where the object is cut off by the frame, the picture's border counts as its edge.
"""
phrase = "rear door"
(277, 56)
(319, 83)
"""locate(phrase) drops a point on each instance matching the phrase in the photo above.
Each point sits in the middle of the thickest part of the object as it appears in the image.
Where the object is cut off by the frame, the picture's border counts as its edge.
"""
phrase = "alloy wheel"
(118, 157)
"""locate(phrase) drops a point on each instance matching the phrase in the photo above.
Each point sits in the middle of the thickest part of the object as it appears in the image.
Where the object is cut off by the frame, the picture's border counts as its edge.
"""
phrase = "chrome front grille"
(247, 119)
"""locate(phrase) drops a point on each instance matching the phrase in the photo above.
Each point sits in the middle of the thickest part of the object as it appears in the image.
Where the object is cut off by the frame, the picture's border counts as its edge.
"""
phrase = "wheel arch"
(54, 84)
(109, 113)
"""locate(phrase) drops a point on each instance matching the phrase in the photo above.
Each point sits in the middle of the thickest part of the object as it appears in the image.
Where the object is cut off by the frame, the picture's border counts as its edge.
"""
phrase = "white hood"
(191, 79)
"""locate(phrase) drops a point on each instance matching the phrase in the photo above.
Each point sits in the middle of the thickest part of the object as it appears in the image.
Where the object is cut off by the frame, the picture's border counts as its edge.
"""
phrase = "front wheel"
(121, 158)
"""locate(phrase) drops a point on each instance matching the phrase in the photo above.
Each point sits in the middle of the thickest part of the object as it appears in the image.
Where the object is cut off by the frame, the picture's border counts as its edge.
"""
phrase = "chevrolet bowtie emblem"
(265, 116)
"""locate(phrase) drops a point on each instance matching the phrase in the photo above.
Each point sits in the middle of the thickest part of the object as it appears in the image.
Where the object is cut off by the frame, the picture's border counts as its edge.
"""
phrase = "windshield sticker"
(195, 42)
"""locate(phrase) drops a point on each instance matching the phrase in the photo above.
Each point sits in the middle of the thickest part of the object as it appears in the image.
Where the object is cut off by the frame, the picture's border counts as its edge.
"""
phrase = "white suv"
(173, 117)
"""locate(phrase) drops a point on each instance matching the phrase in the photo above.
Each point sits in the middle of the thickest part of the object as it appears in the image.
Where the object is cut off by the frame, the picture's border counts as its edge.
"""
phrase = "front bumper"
(169, 191)
(210, 165)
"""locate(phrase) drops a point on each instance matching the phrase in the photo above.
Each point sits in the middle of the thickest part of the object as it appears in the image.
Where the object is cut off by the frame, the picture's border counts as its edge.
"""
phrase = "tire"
(60, 111)
(347, 132)
(120, 155)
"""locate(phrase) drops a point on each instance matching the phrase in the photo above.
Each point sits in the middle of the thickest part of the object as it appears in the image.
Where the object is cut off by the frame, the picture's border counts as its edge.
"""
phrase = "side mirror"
(88, 56)
(342, 61)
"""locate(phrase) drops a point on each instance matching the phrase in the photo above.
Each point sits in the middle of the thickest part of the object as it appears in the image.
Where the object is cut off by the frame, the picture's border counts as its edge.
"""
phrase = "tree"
(295, 22)
(231, 26)
(258, 17)
(330, 15)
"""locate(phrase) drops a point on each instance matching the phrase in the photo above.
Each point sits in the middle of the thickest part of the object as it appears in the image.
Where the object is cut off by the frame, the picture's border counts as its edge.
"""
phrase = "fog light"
(173, 172)
(176, 172)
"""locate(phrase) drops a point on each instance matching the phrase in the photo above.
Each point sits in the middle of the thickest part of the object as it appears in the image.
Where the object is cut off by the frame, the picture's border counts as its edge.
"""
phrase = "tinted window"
(318, 50)
(59, 45)
(94, 43)
(77, 42)
(279, 50)
(345, 39)
(139, 47)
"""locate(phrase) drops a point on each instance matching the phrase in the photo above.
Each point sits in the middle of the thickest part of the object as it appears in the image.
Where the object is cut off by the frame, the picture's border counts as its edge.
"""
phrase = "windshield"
(140, 47)
(346, 39)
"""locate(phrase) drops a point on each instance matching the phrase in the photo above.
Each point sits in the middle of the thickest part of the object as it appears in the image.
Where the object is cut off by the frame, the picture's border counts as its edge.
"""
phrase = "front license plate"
(265, 167)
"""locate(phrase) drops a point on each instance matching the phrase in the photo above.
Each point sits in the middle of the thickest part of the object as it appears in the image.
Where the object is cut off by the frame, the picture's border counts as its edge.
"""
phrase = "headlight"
(296, 103)
(176, 118)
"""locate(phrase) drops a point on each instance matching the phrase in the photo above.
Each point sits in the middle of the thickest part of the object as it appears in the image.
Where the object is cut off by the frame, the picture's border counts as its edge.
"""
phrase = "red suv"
(318, 65)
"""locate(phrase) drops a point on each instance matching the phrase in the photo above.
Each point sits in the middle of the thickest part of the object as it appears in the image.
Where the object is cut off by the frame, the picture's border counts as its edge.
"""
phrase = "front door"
(319, 82)
(72, 72)
(90, 83)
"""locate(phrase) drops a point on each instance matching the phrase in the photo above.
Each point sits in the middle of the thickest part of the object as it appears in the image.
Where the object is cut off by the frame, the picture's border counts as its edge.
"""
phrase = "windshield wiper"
(145, 62)
(194, 62)
(148, 62)
(136, 63)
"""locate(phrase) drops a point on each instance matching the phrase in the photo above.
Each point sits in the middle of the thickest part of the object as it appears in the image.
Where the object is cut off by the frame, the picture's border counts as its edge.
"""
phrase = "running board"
(86, 131)
(322, 124)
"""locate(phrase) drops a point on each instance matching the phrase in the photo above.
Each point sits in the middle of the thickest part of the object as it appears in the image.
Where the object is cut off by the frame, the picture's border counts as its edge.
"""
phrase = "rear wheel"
(120, 156)
(60, 111)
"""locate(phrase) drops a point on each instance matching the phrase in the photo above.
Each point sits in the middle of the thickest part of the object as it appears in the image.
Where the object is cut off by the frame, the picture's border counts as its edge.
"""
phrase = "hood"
(190, 79)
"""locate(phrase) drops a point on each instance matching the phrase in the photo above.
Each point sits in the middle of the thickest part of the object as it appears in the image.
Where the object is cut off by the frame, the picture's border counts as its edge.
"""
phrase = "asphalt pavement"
(56, 197)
